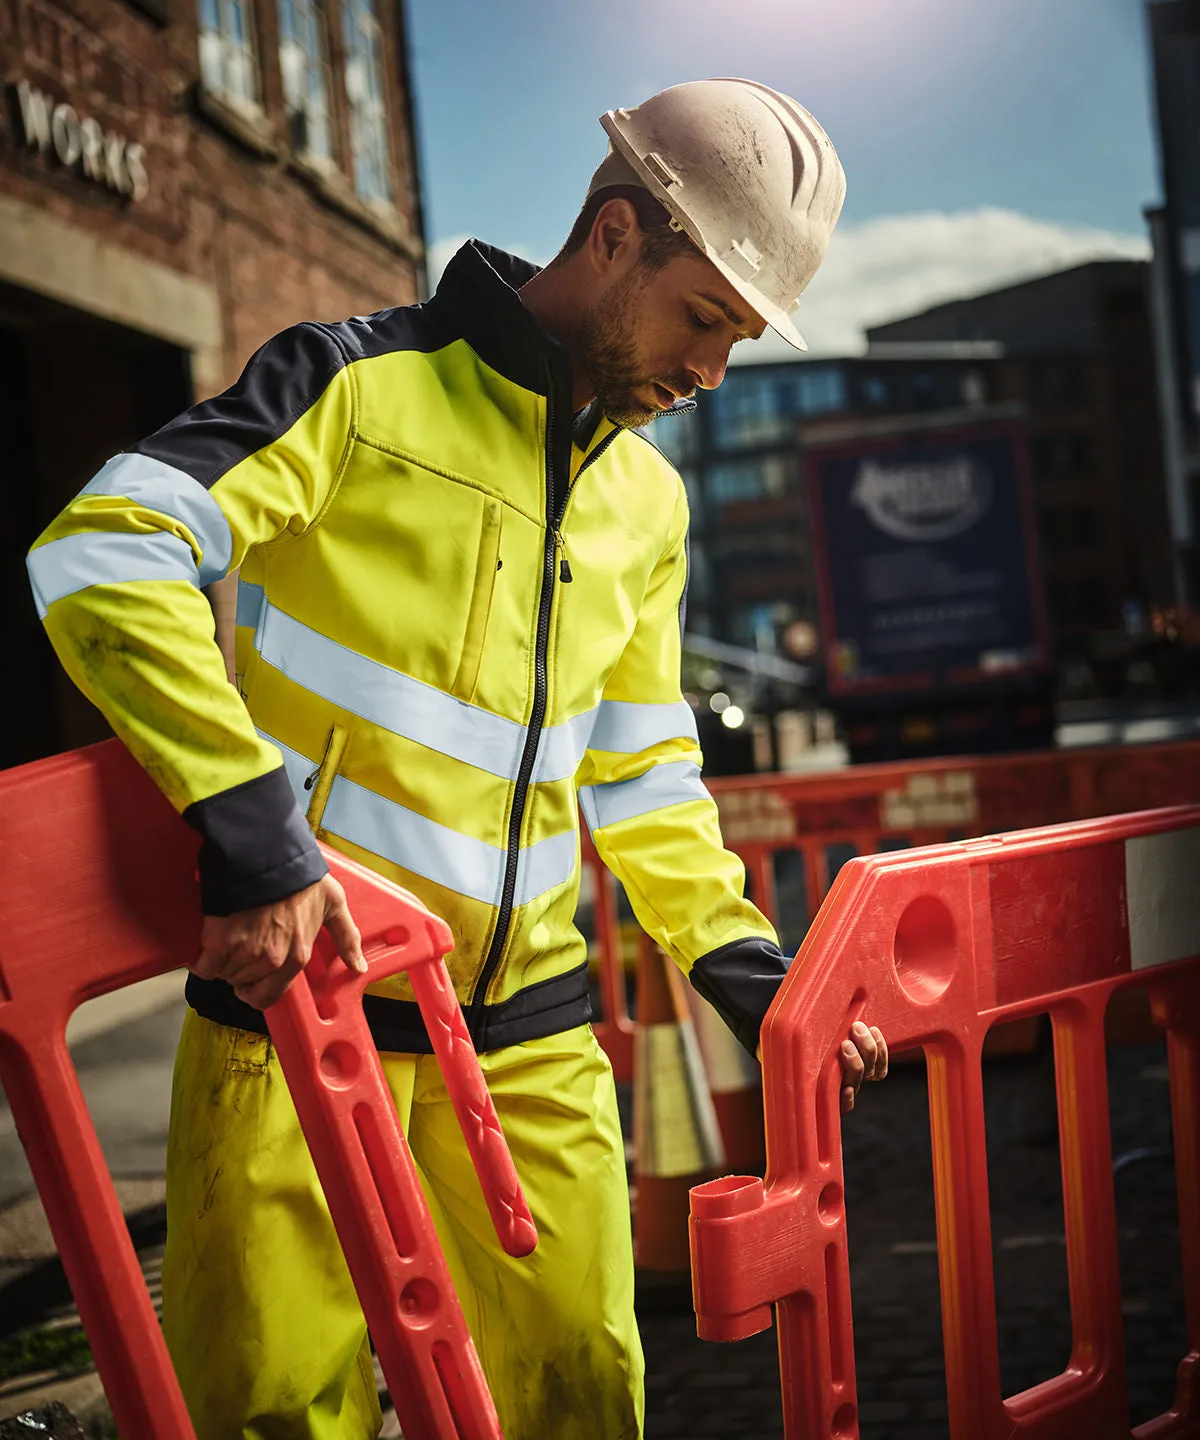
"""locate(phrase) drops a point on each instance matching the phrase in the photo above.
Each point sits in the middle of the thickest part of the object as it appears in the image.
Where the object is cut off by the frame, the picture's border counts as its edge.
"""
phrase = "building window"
(227, 64)
(302, 58)
(677, 436)
(364, 89)
(818, 390)
(751, 479)
(749, 410)
(973, 389)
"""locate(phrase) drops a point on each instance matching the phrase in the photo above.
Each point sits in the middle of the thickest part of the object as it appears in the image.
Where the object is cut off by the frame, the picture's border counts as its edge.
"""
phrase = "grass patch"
(63, 1349)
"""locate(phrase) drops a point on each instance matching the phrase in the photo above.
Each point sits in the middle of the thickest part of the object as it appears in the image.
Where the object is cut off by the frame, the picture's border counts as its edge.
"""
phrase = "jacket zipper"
(540, 688)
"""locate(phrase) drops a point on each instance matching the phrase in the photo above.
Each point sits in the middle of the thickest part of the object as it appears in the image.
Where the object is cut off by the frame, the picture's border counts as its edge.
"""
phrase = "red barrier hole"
(419, 1302)
(829, 1204)
(340, 1064)
(843, 1422)
(1152, 1270)
(1025, 1193)
(925, 950)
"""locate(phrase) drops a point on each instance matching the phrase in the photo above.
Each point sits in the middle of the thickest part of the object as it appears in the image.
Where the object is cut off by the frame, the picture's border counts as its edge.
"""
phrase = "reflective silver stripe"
(250, 602)
(71, 564)
(562, 747)
(409, 707)
(459, 862)
(671, 784)
(299, 768)
(626, 728)
(162, 487)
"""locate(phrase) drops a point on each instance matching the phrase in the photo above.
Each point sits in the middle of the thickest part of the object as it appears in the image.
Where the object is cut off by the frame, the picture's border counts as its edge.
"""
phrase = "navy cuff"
(257, 846)
(740, 980)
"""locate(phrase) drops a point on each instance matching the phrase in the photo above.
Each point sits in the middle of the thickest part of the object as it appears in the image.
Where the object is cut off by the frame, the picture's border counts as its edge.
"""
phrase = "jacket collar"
(480, 286)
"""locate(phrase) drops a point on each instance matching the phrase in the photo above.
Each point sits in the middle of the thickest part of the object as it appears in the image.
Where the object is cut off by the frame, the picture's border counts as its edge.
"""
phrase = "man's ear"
(615, 240)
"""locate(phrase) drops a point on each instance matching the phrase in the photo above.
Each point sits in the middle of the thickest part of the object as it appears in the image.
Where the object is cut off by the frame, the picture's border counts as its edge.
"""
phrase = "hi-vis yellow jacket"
(458, 623)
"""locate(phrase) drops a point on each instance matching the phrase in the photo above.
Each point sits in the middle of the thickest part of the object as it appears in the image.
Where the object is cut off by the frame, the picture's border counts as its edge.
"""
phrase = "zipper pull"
(312, 779)
(564, 565)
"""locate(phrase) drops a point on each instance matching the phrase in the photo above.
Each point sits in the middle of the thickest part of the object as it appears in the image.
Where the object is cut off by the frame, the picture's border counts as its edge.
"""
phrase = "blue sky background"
(982, 142)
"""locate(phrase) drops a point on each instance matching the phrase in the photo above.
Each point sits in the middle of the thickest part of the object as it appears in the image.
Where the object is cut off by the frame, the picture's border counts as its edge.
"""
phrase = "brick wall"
(227, 201)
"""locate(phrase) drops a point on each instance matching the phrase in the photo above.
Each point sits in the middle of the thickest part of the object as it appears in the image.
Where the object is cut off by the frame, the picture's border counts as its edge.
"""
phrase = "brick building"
(179, 179)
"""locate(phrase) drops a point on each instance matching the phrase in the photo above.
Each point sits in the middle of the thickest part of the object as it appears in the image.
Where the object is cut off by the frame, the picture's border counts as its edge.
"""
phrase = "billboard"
(926, 559)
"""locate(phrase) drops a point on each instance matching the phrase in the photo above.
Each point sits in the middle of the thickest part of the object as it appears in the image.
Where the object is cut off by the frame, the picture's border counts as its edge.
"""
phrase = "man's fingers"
(863, 1039)
(881, 1054)
(264, 992)
(853, 1068)
(207, 965)
(847, 1099)
(344, 934)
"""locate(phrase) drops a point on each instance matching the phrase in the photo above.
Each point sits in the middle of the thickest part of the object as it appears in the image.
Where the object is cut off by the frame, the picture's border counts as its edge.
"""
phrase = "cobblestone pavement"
(697, 1389)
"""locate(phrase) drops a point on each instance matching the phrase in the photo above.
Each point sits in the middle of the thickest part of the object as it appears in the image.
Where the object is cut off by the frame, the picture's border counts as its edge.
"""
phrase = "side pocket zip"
(320, 782)
(487, 565)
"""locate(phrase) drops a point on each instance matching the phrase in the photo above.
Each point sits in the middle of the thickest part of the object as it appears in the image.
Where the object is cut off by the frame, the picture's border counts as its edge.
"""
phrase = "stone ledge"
(332, 188)
(251, 129)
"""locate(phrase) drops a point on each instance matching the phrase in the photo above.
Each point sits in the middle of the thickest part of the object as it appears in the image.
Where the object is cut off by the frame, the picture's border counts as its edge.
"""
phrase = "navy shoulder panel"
(283, 379)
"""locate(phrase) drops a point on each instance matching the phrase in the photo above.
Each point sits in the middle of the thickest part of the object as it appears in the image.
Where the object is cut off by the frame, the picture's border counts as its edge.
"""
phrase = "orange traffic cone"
(677, 1142)
(735, 1082)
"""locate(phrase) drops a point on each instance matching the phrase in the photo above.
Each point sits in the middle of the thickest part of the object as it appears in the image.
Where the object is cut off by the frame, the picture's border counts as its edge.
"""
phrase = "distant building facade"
(1174, 30)
(1078, 355)
(1073, 348)
(751, 562)
(179, 179)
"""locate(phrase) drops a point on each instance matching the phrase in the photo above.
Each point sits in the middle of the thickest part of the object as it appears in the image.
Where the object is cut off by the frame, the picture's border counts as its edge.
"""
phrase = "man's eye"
(700, 322)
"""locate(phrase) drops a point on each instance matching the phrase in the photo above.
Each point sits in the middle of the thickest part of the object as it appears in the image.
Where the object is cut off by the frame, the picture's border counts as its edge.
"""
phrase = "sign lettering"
(81, 143)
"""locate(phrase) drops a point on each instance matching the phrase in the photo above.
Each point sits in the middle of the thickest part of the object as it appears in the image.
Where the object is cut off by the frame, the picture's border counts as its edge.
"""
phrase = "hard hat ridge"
(746, 172)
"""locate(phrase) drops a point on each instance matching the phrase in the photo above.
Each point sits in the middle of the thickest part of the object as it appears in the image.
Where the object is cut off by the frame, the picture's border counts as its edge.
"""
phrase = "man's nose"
(707, 366)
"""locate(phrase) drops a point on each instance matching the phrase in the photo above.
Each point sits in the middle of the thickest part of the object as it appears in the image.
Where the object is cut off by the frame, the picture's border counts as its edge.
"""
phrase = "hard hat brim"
(774, 317)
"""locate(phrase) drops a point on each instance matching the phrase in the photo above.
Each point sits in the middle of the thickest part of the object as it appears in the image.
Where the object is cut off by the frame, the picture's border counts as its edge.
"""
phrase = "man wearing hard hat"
(461, 591)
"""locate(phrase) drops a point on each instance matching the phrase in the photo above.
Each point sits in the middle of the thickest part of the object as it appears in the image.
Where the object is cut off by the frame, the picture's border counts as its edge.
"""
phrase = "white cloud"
(900, 265)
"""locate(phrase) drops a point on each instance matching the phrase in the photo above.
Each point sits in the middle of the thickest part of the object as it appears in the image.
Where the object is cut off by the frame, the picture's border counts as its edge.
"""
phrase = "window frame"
(215, 81)
(317, 13)
(377, 110)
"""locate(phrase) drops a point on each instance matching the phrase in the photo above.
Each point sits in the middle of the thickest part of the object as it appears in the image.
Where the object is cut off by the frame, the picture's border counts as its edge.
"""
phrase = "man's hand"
(864, 1057)
(261, 951)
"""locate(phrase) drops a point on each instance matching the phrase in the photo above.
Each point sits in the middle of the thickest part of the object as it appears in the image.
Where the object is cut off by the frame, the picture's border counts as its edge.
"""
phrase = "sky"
(983, 142)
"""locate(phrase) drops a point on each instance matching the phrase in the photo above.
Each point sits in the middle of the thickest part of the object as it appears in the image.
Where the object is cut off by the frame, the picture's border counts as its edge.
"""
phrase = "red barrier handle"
(473, 1105)
(366, 1169)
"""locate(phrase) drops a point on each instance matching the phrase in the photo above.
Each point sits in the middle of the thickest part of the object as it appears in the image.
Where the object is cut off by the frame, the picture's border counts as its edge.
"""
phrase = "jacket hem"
(546, 1008)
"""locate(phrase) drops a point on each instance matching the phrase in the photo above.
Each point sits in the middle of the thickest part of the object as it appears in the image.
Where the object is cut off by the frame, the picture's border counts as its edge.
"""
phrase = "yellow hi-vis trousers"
(260, 1315)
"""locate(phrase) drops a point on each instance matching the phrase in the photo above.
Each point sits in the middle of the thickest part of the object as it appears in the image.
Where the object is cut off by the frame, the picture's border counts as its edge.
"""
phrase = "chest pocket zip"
(486, 566)
(320, 782)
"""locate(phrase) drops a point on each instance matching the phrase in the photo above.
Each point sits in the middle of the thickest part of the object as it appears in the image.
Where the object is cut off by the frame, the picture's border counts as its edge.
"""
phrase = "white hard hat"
(746, 172)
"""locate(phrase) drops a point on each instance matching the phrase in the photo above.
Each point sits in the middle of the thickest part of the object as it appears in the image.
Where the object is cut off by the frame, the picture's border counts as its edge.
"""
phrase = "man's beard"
(606, 349)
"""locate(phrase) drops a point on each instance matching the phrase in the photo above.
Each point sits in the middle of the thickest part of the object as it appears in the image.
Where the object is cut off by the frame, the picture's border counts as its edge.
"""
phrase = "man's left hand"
(864, 1057)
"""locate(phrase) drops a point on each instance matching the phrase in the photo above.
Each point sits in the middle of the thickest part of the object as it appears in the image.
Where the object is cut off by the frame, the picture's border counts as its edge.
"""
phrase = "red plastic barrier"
(98, 891)
(936, 946)
(615, 1031)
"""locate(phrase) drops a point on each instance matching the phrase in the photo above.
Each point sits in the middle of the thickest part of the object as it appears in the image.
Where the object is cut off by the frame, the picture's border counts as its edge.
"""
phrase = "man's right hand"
(261, 951)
